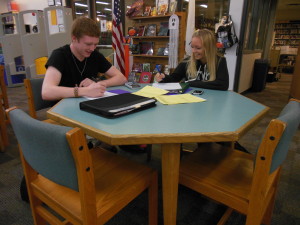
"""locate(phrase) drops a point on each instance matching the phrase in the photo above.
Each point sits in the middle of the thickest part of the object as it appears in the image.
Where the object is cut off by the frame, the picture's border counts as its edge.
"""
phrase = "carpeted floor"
(193, 209)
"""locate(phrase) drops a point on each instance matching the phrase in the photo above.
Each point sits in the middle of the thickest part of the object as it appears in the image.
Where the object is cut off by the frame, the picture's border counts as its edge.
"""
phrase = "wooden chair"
(3, 131)
(3, 105)
(244, 182)
(3, 91)
(80, 185)
(34, 96)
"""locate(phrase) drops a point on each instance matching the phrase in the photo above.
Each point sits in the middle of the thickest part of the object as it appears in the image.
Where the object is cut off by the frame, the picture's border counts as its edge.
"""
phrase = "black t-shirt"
(71, 68)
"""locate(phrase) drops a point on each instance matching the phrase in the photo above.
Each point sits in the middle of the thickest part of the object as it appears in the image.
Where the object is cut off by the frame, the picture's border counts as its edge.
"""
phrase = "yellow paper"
(179, 99)
(150, 92)
(53, 17)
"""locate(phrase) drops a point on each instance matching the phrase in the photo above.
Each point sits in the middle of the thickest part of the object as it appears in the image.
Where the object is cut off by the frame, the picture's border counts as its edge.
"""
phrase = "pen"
(158, 69)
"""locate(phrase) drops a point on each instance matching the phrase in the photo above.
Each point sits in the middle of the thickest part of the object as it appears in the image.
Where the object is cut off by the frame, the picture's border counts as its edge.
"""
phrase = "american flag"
(117, 37)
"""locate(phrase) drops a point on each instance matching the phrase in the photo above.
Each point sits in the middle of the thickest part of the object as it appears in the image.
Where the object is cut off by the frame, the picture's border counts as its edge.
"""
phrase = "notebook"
(117, 105)
(173, 88)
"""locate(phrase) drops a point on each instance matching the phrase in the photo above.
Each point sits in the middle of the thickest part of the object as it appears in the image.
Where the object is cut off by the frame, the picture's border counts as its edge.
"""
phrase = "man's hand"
(86, 82)
(95, 89)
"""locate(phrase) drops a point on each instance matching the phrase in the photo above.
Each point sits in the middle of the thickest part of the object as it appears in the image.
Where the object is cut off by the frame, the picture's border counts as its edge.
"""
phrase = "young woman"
(204, 68)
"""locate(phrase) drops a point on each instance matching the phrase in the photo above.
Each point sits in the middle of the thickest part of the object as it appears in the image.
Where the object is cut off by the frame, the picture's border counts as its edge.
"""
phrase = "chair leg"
(149, 152)
(153, 201)
(225, 216)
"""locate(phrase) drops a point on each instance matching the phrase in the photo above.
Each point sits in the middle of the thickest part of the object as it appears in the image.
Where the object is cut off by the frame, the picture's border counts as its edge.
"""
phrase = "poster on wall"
(103, 26)
(51, 2)
(58, 2)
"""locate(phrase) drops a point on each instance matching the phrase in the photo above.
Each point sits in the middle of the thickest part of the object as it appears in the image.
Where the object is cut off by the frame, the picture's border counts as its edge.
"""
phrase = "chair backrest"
(278, 136)
(45, 148)
(34, 95)
(290, 115)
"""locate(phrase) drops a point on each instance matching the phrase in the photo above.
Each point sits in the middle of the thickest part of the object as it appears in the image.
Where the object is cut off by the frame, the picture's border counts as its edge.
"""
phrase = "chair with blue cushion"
(34, 95)
(244, 182)
(70, 184)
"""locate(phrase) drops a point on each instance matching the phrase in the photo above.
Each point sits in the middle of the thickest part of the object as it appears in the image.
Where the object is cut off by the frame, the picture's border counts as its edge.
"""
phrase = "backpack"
(226, 36)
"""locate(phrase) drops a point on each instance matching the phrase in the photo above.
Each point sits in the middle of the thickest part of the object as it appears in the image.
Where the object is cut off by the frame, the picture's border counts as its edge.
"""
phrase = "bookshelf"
(287, 34)
(159, 41)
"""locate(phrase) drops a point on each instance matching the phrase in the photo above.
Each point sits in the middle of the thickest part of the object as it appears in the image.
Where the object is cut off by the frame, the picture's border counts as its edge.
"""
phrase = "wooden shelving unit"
(287, 34)
(159, 41)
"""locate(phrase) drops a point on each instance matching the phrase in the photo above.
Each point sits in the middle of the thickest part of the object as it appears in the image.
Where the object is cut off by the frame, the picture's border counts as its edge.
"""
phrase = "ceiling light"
(203, 6)
(79, 13)
(107, 9)
(79, 4)
(102, 3)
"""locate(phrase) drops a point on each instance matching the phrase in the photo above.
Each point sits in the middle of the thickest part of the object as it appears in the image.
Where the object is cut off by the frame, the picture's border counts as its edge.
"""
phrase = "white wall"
(235, 10)
(32, 4)
(246, 76)
(26, 5)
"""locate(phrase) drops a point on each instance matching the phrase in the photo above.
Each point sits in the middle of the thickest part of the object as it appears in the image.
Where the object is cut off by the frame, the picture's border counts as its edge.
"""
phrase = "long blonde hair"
(209, 44)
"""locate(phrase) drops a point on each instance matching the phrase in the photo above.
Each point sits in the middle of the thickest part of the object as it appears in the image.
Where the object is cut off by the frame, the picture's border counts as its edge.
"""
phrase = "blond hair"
(209, 45)
(85, 26)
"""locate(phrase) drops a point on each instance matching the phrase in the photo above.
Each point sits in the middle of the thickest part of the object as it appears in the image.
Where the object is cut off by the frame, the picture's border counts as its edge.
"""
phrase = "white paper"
(167, 86)
(106, 94)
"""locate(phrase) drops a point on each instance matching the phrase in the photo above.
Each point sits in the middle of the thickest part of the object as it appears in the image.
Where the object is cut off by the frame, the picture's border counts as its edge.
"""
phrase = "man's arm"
(51, 90)
(115, 77)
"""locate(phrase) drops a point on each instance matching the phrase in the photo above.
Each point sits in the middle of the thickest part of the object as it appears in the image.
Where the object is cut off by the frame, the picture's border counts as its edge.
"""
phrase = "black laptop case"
(117, 105)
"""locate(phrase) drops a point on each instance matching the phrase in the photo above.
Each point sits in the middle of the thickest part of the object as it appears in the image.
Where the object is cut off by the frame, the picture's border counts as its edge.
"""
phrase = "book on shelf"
(161, 51)
(135, 49)
(132, 31)
(163, 29)
(162, 7)
(147, 11)
(173, 5)
(146, 67)
(136, 9)
(131, 76)
(137, 67)
(137, 77)
(146, 47)
(141, 30)
(145, 77)
(151, 30)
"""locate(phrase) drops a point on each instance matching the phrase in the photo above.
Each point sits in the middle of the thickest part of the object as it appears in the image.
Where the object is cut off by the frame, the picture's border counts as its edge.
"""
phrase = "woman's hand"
(159, 77)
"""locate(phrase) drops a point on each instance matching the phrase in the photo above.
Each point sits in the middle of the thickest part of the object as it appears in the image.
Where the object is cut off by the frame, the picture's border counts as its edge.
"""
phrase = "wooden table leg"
(170, 177)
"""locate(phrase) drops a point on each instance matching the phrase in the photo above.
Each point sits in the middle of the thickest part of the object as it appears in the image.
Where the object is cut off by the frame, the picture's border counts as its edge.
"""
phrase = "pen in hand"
(159, 76)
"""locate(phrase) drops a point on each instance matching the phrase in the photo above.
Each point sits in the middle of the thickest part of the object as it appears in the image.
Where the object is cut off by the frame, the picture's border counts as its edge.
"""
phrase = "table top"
(225, 116)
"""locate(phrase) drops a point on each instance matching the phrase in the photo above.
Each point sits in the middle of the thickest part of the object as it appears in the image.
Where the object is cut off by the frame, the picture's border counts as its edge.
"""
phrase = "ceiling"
(288, 10)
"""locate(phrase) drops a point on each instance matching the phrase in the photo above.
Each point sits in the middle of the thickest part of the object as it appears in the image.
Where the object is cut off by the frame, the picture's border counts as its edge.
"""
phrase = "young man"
(72, 69)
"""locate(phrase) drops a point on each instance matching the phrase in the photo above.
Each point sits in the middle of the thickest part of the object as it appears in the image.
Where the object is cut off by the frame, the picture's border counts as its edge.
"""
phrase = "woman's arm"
(178, 74)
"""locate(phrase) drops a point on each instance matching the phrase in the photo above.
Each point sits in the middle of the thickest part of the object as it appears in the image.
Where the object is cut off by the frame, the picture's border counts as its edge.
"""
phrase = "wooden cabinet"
(287, 34)
(159, 41)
